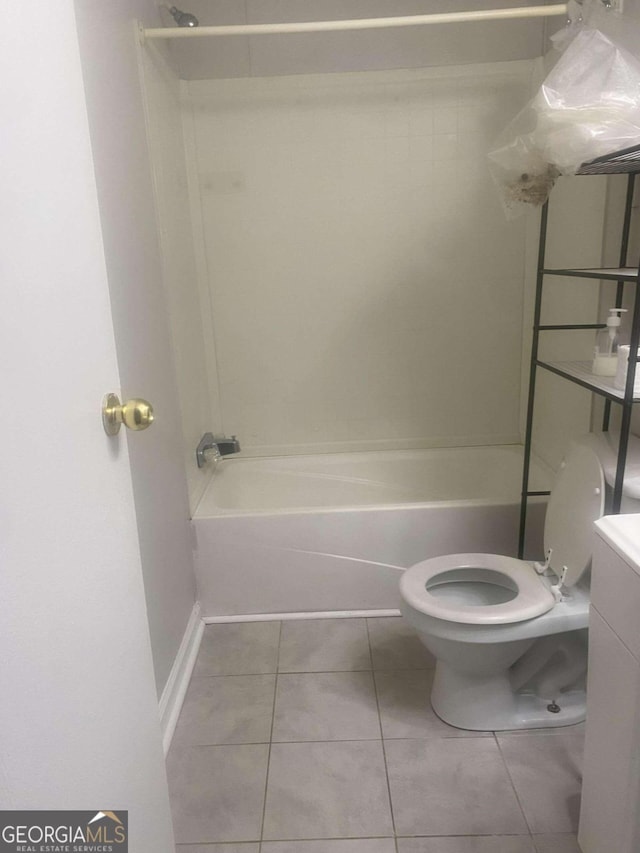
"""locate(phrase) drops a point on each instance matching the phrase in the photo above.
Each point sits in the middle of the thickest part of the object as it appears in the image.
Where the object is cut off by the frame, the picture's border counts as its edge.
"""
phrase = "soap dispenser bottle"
(605, 357)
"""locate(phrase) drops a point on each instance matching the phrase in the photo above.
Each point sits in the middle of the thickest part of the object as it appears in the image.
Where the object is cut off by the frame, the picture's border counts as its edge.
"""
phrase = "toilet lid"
(576, 501)
(533, 597)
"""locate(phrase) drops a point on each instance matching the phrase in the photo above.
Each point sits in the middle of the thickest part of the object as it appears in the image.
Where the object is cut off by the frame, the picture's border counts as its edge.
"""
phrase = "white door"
(78, 710)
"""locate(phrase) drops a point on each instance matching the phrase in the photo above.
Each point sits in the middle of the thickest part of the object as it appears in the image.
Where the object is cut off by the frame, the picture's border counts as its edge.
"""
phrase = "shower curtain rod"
(357, 24)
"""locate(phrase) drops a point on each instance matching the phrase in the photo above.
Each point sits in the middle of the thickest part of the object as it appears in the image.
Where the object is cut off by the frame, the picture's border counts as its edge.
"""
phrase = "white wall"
(189, 310)
(125, 191)
(366, 288)
(78, 711)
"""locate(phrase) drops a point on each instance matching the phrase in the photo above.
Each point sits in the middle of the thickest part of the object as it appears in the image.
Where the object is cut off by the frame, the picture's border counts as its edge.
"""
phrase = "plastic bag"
(588, 106)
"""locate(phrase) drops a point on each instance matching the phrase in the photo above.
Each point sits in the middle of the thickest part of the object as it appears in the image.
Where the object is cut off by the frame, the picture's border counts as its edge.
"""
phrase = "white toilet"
(510, 636)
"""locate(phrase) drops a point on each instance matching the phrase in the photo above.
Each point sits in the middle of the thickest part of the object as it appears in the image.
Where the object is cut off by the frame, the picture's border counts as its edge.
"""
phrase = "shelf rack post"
(624, 252)
(532, 380)
(626, 162)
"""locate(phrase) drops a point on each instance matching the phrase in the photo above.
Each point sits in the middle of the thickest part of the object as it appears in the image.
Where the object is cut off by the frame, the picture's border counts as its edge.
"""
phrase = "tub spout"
(212, 448)
(227, 445)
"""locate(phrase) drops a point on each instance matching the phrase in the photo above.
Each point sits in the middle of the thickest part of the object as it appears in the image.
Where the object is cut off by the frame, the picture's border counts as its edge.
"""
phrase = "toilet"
(509, 636)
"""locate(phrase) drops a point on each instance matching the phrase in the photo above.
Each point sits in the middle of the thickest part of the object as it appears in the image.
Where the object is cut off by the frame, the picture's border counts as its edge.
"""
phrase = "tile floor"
(317, 737)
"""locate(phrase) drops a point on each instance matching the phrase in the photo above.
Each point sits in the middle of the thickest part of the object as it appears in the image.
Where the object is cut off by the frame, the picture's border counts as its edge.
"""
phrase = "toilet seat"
(532, 598)
(576, 501)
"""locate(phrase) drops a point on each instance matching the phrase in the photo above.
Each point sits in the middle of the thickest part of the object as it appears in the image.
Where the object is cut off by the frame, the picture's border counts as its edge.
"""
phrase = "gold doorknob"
(135, 414)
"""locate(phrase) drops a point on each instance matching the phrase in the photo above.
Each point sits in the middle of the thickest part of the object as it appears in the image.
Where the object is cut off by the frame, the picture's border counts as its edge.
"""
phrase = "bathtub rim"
(502, 500)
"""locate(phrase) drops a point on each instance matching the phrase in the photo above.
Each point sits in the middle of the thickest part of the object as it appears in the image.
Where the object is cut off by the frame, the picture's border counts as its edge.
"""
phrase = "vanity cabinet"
(610, 807)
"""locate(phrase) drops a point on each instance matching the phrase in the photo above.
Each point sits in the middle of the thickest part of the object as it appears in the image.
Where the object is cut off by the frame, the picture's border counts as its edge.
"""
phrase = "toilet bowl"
(509, 636)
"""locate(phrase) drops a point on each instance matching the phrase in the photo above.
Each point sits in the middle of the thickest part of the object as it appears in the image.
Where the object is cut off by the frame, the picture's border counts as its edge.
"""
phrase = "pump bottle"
(605, 357)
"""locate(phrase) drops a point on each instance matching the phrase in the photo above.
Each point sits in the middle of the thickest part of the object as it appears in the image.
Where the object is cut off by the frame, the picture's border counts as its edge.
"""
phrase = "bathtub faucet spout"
(213, 448)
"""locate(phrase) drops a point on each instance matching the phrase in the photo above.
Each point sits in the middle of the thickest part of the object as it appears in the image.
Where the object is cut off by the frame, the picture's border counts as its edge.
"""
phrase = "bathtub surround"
(188, 309)
(301, 330)
(364, 329)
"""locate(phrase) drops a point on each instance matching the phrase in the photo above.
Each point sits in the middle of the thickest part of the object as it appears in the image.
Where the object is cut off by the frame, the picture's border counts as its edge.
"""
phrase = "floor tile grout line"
(388, 837)
(332, 838)
(273, 719)
(513, 785)
(335, 740)
(214, 844)
(230, 675)
(220, 844)
(305, 672)
(486, 835)
(384, 752)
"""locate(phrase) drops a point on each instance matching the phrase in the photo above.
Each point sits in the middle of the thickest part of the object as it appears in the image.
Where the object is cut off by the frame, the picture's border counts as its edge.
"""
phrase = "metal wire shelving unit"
(579, 372)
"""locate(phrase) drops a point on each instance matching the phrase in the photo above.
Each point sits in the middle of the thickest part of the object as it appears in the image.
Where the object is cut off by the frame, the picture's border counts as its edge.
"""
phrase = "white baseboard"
(174, 690)
(284, 617)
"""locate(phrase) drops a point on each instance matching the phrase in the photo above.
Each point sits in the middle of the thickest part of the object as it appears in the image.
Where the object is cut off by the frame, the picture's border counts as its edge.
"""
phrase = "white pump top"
(576, 501)
(614, 319)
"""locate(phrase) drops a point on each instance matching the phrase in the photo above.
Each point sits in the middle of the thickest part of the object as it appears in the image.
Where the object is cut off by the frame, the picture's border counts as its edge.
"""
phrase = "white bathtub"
(333, 532)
